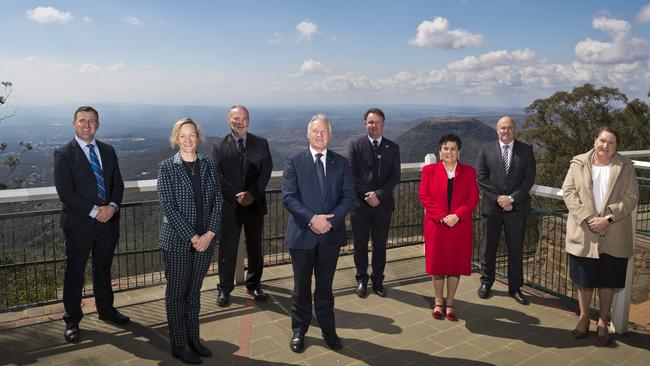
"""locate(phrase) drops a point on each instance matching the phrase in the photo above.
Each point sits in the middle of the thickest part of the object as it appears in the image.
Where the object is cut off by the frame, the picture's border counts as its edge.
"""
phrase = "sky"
(500, 53)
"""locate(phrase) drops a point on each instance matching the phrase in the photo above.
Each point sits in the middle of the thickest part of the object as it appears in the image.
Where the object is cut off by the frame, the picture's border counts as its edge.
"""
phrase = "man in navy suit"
(318, 191)
(88, 181)
(245, 163)
(376, 168)
(506, 173)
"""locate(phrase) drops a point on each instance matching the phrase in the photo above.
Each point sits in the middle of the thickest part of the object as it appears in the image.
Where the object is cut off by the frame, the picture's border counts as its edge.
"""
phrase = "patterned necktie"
(241, 149)
(506, 163)
(375, 145)
(320, 171)
(99, 174)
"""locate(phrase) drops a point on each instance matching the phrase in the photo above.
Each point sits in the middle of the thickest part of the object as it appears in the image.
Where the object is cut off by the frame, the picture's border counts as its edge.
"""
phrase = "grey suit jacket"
(178, 205)
(493, 181)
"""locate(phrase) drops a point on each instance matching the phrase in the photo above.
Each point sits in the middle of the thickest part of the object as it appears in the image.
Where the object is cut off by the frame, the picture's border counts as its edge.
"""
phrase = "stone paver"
(397, 330)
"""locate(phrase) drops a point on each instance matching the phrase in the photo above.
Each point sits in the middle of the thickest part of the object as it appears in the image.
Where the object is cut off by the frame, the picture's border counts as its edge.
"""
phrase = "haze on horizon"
(502, 53)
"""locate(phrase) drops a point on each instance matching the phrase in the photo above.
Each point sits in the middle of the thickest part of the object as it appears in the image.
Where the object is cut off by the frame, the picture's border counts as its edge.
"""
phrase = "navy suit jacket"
(493, 181)
(302, 198)
(252, 177)
(76, 185)
(375, 173)
(178, 205)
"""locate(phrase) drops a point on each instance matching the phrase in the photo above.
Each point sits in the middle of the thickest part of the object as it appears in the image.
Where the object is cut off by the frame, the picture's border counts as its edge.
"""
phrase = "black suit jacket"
(76, 186)
(252, 177)
(493, 181)
(375, 172)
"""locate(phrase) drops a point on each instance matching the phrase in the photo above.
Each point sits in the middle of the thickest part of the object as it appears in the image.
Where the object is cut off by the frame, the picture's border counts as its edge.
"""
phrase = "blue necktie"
(320, 172)
(99, 175)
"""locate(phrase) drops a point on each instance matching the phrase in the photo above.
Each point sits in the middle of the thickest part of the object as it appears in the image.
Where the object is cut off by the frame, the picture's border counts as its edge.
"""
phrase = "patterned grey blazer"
(177, 202)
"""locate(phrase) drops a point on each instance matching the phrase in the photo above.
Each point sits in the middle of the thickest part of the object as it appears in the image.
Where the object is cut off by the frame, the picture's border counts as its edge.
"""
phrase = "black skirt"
(603, 272)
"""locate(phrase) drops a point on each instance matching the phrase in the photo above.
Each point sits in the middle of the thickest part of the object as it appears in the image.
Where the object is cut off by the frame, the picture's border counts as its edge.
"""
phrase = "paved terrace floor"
(397, 330)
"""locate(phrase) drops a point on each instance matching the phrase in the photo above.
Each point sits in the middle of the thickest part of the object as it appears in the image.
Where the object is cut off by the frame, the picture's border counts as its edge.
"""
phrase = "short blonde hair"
(176, 131)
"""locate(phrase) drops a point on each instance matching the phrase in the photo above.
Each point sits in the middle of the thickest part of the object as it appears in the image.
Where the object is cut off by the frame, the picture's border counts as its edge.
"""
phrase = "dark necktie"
(506, 163)
(375, 145)
(241, 149)
(320, 171)
(99, 175)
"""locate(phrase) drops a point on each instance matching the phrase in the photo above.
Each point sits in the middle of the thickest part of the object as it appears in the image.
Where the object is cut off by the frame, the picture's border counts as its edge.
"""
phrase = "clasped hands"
(104, 213)
(320, 224)
(598, 224)
(202, 242)
(244, 198)
(450, 220)
(371, 199)
(504, 203)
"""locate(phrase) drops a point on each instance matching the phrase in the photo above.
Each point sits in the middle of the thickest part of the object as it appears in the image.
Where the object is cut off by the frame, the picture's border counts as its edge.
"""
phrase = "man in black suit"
(376, 168)
(245, 163)
(88, 181)
(318, 191)
(505, 173)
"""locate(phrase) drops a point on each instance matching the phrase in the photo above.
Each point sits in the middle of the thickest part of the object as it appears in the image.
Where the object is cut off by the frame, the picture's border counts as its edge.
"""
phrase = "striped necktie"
(506, 163)
(99, 174)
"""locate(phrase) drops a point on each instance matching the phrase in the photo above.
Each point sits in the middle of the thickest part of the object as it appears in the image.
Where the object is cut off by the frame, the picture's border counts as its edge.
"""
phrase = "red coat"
(448, 250)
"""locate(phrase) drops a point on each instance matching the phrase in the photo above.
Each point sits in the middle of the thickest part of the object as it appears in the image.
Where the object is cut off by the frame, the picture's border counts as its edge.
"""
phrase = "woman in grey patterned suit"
(190, 198)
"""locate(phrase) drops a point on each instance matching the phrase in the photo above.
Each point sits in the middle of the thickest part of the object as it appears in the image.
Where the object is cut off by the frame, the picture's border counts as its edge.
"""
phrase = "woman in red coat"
(449, 194)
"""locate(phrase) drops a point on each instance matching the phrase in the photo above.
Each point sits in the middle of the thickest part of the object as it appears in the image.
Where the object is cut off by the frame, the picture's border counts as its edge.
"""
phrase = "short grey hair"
(322, 117)
(237, 106)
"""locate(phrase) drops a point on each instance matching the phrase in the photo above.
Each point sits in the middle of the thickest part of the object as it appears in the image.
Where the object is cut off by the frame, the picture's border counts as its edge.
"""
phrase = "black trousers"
(100, 240)
(230, 231)
(514, 229)
(321, 262)
(184, 272)
(370, 222)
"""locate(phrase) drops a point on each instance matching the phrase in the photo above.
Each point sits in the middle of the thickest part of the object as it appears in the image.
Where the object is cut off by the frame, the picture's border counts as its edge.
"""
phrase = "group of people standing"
(207, 199)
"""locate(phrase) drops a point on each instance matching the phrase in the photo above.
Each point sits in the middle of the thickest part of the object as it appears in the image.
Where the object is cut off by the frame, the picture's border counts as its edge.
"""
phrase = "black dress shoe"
(484, 291)
(257, 294)
(72, 333)
(113, 316)
(519, 297)
(379, 289)
(200, 349)
(223, 298)
(362, 289)
(297, 343)
(186, 355)
(333, 341)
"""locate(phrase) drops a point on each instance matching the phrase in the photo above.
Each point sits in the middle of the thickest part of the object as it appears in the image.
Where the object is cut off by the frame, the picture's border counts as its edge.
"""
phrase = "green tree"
(564, 125)
(11, 160)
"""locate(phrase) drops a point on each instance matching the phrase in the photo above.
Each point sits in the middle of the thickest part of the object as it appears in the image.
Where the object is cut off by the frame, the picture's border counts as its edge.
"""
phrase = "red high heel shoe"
(451, 315)
(437, 314)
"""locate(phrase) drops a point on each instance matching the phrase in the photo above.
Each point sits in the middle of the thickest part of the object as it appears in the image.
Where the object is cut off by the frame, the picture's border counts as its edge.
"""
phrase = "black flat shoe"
(333, 341)
(186, 355)
(223, 298)
(113, 316)
(484, 291)
(297, 343)
(200, 349)
(257, 294)
(519, 297)
(72, 332)
(379, 289)
(362, 289)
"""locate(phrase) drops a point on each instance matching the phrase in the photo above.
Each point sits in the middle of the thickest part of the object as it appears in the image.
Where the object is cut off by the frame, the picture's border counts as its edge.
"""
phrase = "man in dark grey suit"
(89, 184)
(318, 191)
(245, 163)
(376, 167)
(505, 173)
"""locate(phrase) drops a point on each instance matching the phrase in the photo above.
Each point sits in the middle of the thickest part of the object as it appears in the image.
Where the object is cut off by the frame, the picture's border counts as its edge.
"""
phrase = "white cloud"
(623, 49)
(310, 67)
(88, 68)
(436, 34)
(305, 30)
(643, 16)
(48, 14)
(87, 19)
(133, 21)
(119, 66)
(275, 38)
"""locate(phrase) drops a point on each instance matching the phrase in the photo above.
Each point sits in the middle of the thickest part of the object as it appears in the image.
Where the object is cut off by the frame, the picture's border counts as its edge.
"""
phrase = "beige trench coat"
(621, 198)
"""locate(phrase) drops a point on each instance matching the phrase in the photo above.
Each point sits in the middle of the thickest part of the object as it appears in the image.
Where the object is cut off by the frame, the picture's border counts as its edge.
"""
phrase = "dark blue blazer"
(76, 186)
(493, 181)
(178, 205)
(302, 198)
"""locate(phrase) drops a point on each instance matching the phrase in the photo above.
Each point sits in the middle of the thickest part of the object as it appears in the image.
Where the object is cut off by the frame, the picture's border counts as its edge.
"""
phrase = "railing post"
(623, 297)
(241, 253)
